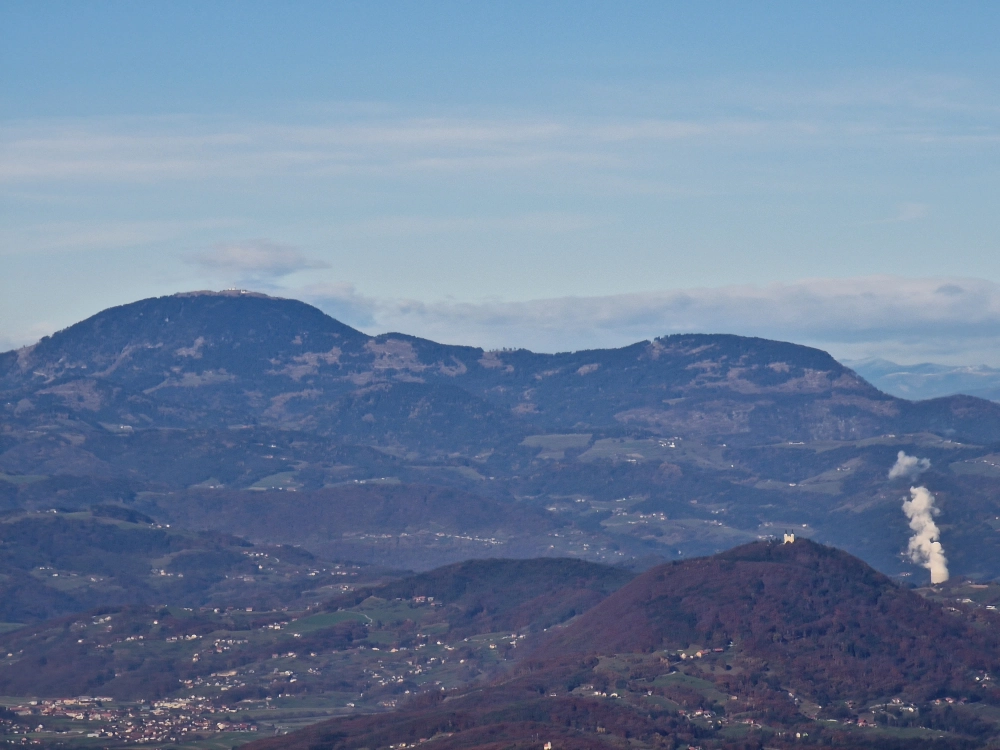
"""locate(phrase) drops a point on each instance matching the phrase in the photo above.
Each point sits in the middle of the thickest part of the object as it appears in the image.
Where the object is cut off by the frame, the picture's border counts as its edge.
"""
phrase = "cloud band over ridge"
(906, 319)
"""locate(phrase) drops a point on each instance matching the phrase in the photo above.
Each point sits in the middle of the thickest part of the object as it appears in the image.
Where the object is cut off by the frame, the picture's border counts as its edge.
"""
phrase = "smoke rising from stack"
(925, 545)
(910, 467)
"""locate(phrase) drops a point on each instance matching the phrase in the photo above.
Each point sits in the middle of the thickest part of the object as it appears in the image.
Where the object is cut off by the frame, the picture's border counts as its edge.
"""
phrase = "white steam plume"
(910, 467)
(925, 548)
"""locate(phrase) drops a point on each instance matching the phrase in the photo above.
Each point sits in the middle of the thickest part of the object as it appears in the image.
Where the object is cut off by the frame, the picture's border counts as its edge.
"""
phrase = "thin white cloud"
(911, 212)
(906, 319)
(142, 151)
(905, 212)
(254, 259)
(106, 151)
(886, 91)
(136, 150)
(409, 226)
(101, 235)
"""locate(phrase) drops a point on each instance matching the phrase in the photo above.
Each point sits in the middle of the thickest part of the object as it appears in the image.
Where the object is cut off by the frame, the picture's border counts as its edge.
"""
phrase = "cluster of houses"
(161, 721)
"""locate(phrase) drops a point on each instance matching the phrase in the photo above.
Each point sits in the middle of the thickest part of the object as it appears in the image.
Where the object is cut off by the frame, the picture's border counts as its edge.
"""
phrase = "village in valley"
(102, 718)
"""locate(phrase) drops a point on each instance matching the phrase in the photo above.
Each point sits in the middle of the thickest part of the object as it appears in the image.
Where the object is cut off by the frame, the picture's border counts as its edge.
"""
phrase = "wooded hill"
(767, 645)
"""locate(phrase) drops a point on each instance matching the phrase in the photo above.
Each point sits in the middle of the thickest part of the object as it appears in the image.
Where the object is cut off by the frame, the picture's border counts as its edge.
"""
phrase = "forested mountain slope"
(211, 359)
(267, 417)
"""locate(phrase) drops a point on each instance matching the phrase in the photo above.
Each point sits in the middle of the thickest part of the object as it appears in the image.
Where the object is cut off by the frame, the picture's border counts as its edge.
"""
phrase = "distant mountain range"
(927, 380)
(209, 360)
(269, 419)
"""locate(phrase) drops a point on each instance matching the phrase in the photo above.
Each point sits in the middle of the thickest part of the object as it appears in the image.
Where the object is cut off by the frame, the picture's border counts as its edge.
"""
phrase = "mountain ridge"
(192, 359)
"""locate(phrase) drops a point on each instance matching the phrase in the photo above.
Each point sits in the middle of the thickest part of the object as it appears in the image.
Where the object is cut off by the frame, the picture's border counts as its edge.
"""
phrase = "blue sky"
(553, 175)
